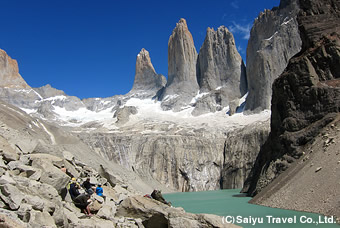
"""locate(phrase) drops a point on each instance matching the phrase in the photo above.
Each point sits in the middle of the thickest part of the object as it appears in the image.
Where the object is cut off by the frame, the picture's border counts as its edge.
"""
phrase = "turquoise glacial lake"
(237, 210)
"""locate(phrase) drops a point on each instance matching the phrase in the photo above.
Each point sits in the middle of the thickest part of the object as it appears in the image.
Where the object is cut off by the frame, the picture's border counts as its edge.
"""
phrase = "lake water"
(224, 203)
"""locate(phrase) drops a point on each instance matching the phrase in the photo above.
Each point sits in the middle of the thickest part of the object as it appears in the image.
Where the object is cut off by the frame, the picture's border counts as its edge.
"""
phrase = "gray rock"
(25, 170)
(274, 39)
(51, 174)
(157, 214)
(7, 152)
(11, 219)
(240, 152)
(41, 219)
(11, 195)
(6, 179)
(123, 114)
(107, 212)
(24, 212)
(2, 164)
(146, 79)
(182, 83)
(9, 73)
(220, 65)
(299, 111)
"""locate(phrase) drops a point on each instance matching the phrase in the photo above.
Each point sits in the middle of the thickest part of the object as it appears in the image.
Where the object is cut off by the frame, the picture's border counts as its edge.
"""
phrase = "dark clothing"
(87, 185)
(81, 201)
(157, 195)
(73, 191)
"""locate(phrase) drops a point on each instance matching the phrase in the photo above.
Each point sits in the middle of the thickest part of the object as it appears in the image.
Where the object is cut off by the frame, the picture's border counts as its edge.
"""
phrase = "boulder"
(6, 179)
(7, 152)
(25, 170)
(11, 195)
(156, 214)
(33, 187)
(41, 219)
(24, 212)
(95, 223)
(108, 211)
(2, 164)
(51, 174)
(9, 219)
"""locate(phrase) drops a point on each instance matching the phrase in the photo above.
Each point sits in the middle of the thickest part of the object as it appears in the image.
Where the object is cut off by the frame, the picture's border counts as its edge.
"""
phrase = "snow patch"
(170, 97)
(272, 36)
(286, 22)
(49, 133)
(198, 96)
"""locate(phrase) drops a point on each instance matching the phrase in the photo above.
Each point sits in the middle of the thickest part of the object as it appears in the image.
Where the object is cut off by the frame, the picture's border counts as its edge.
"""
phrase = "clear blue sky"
(88, 48)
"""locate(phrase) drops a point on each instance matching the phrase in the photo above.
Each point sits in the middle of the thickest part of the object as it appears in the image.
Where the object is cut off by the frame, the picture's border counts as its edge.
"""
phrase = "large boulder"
(157, 214)
(11, 195)
(51, 174)
(9, 219)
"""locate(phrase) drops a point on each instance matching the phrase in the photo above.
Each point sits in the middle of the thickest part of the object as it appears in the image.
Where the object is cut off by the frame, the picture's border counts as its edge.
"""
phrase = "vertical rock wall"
(274, 39)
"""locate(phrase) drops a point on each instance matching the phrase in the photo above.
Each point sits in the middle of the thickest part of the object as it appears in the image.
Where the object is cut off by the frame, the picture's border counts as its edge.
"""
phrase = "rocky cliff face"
(183, 158)
(240, 151)
(146, 79)
(220, 71)
(220, 65)
(9, 73)
(274, 39)
(182, 83)
(306, 97)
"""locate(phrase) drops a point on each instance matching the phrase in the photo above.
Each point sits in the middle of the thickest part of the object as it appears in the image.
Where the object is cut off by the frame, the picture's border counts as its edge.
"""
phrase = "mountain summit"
(9, 73)
(182, 83)
(146, 78)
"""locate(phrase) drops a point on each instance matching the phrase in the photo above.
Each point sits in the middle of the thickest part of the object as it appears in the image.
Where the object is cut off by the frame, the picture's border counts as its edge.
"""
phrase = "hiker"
(82, 202)
(99, 190)
(88, 186)
(63, 169)
(74, 188)
(157, 195)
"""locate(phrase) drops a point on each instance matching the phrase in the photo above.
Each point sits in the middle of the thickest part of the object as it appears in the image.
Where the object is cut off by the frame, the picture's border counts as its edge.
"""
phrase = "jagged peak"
(9, 72)
(144, 61)
(182, 29)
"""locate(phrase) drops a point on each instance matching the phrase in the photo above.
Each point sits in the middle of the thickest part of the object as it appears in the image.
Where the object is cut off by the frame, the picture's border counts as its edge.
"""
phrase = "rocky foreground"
(32, 187)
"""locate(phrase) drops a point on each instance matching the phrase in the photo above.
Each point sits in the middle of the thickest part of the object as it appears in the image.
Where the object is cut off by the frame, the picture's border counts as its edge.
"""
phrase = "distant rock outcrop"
(220, 70)
(146, 79)
(182, 83)
(9, 73)
(306, 97)
(274, 39)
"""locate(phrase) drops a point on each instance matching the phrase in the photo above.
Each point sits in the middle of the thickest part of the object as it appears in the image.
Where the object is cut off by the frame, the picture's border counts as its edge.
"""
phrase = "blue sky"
(88, 48)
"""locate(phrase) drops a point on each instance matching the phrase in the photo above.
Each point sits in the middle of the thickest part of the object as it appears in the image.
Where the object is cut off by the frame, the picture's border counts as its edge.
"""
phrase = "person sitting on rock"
(88, 186)
(82, 202)
(157, 195)
(99, 190)
(74, 189)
